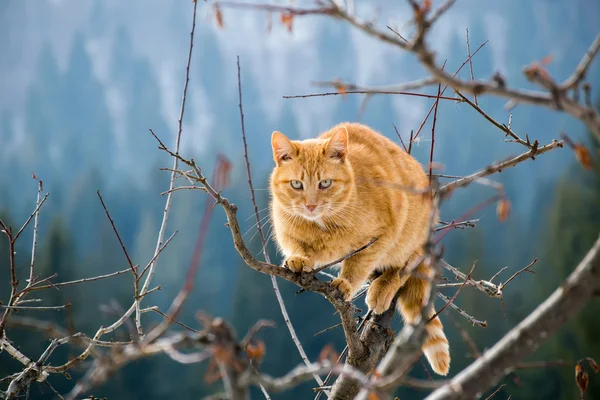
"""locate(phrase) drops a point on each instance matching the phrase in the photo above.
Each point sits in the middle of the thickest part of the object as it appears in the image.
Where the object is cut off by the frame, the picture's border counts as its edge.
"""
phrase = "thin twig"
(171, 319)
(327, 329)
(400, 137)
(339, 260)
(506, 129)
(437, 100)
(471, 223)
(37, 209)
(492, 169)
(451, 301)
(257, 327)
(441, 10)
(462, 312)
(37, 308)
(397, 33)
(75, 282)
(401, 89)
(35, 230)
(137, 319)
(274, 8)
(163, 246)
(581, 70)
(112, 224)
(182, 188)
(371, 92)
(495, 392)
(526, 269)
(471, 64)
(498, 273)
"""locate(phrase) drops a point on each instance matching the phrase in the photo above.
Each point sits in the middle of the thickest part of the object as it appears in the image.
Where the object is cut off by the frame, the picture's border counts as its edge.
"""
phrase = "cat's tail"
(410, 302)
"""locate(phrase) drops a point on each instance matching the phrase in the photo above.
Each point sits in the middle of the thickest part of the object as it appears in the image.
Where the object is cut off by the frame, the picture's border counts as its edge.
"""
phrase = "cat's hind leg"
(413, 297)
(383, 289)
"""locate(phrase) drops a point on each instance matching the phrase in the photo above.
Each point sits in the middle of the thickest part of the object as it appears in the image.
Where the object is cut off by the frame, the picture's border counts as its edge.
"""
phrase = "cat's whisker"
(261, 219)
(270, 235)
(350, 211)
(259, 212)
(256, 224)
(256, 233)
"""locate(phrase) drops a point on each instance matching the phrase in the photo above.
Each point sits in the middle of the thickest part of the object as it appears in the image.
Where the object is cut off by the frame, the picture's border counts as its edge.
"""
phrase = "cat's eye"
(296, 184)
(325, 183)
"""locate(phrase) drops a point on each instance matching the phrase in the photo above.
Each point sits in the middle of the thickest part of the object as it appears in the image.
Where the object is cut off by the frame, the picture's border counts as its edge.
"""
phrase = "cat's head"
(313, 178)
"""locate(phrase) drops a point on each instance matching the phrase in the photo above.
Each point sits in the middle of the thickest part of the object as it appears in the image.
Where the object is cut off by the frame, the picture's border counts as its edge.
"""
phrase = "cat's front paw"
(344, 286)
(299, 263)
(380, 296)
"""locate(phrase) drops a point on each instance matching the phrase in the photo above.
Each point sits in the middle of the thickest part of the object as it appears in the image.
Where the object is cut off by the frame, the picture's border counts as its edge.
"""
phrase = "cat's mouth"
(312, 215)
(315, 215)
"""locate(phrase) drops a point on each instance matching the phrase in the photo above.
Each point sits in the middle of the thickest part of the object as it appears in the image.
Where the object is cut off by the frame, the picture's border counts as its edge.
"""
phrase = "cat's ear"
(283, 149)
(337, 146)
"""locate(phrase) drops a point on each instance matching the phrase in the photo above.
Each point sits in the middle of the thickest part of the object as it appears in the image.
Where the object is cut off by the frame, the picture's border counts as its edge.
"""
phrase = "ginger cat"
(333, 194)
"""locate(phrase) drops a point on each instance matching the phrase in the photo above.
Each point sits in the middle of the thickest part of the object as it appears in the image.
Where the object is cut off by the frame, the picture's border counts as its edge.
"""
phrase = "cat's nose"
(311, 207)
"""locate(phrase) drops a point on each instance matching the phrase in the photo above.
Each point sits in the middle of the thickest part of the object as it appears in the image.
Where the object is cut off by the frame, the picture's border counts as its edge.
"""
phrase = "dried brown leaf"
(223, 171)
(581, 377)
(256, 352)
(426, 6)
(583, 156)
(547, 60)
(373, 396)
(534, 70)
(503, 209)
(340, 88)
(287, 19)
(218, 15)
(328, 353)
(437, 166)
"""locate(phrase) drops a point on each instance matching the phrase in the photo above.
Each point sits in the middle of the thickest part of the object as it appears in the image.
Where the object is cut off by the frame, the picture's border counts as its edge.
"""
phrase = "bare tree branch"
(35, 231)
(137, 298)
(303, 373)
(581, 70)
(523, 339)
(492, 169)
